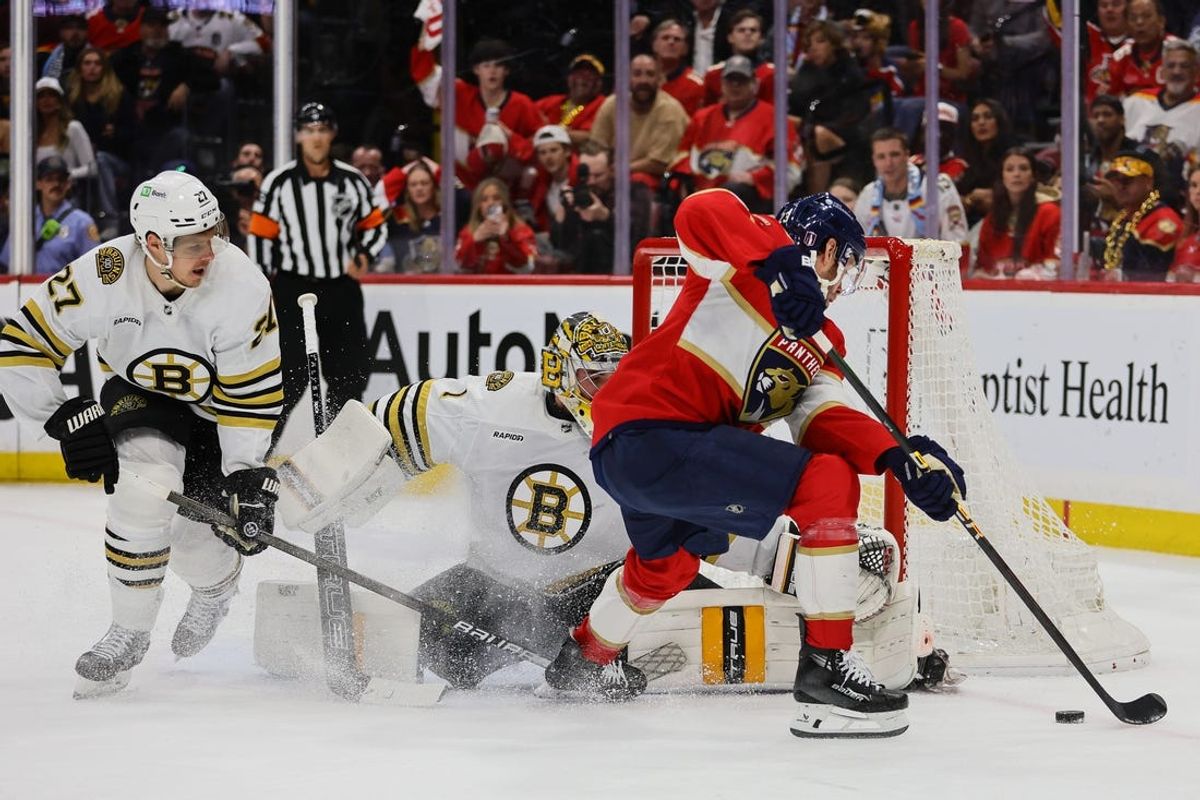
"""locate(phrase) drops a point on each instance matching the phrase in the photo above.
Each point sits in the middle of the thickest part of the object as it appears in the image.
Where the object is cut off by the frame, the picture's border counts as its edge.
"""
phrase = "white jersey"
(1173, 133)
(895, 217)
(217, 31)
(537, 513)
(215, 347)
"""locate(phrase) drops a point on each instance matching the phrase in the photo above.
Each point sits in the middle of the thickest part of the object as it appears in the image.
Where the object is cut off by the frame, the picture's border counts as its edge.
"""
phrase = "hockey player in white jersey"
(183, 323)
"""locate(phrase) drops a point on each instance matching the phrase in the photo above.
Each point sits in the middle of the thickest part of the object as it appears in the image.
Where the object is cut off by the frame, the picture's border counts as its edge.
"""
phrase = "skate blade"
(820, 721)
(384, 692)
(86, 689)
(547, 692)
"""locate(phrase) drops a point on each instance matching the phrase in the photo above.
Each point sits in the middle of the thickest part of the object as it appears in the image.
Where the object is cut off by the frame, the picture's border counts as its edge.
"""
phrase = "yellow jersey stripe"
(17, 335)
(233, 381)
(399, 437)
(273, 399)
(32, 310)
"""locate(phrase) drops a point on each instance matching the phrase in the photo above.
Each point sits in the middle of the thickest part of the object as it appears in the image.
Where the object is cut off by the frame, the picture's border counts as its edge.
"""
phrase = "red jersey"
(113, 33)
(1186, 266)
(511, 254)
(559, 110)
(541, 188)
(687, 87)
(719, 357)
(1131, 70)
(1041, 243)
(517, 112)
(765, 72)
(713, 146)
(960, 36)
(1100, 50)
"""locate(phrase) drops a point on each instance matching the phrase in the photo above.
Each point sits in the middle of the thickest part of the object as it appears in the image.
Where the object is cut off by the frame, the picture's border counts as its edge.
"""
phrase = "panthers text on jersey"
(537, 514)
(214, 347)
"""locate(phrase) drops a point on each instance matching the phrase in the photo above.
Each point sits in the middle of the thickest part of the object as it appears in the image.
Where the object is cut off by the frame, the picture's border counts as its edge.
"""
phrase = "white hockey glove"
(345, 474)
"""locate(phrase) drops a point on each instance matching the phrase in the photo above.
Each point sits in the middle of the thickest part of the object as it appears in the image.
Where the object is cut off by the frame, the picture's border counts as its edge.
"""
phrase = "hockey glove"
(252, 494)
(796, 297)
(87, 448)
(937, 491)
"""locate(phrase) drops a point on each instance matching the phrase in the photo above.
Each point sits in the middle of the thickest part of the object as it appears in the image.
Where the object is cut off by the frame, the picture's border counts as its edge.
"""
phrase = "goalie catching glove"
(87, 448)
(252, 494)
(938, 490)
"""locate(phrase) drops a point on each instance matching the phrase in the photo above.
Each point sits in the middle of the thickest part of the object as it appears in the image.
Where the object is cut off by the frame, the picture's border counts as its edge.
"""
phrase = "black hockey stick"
(1146, 709)
(333, 590)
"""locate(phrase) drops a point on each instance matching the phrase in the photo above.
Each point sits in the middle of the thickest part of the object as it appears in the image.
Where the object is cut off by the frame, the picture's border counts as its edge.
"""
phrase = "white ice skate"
(105, 668)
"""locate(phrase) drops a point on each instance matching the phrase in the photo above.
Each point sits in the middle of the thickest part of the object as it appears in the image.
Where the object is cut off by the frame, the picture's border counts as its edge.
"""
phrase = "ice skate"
(572, 675)
(839, 698)
(199, 623)
(104, 669)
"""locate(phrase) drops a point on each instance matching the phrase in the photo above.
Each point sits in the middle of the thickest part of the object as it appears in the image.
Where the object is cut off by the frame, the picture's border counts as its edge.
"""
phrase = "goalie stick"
(660, 661)
(333, 591)
(1144, 710)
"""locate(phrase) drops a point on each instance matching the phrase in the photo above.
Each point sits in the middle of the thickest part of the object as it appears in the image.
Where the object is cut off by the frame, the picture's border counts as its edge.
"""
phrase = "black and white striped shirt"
(313, 226)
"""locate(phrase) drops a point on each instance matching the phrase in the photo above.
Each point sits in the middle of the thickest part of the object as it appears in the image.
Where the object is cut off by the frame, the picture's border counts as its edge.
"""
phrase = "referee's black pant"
(345, 361)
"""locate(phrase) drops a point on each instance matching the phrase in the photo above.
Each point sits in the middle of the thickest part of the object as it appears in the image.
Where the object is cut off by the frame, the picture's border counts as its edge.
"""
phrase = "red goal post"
(907, 336)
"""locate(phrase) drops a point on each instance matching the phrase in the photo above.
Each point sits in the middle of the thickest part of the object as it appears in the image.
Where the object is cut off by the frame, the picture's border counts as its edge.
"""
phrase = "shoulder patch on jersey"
(130, 402)
(1167, 226)
(498, 380)
(110, 264)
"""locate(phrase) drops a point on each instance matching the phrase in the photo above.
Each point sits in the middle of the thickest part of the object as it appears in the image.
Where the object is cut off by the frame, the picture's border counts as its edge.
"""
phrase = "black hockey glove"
(936, 492)
(252, 494)
(87, 448)
(796, 297)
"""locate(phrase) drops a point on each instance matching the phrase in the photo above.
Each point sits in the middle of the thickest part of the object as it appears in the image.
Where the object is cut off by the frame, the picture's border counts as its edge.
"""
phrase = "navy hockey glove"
(796, 297)
(252, 494)
(87, 448)
(936, 492)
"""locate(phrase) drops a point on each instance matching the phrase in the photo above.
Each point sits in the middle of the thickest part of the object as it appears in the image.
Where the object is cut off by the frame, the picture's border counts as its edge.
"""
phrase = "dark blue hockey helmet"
(314, 112)
(812, 221)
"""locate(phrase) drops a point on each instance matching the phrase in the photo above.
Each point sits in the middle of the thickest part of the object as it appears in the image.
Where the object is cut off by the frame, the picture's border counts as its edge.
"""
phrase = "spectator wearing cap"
(115, 25)
(1137, 64)
(62, 232)
(732, 143)
(950, 164)
(59, 133)
(870, 33)
(505, 147)
(1020, 237)
(576, 110)
(1140, 244)
(160, 75)
(745, 39)
(669, 44)
(73, 37)
(557, 170)
(1167, 120)
(656, 123)
(832, 99)
(1104, 37)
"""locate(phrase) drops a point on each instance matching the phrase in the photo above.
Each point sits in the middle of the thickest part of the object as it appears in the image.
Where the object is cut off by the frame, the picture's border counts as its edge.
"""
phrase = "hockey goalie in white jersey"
(184, 326)
(545, 537)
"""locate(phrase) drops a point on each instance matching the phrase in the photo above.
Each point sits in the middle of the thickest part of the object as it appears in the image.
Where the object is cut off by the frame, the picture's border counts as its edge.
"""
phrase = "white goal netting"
(976, 616)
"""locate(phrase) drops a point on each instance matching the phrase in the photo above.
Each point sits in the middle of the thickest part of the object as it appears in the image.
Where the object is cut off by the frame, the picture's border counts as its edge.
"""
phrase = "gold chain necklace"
(1118, 233)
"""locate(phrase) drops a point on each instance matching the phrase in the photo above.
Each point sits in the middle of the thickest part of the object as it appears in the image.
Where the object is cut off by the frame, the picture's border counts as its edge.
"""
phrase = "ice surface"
(216, 727)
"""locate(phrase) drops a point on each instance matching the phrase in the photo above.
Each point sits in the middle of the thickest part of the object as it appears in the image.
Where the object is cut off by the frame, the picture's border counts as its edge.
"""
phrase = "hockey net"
(907, 338)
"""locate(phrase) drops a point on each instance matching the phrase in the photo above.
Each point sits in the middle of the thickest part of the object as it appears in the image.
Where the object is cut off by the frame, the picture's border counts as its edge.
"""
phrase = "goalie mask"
(174, 206)
(580, 357)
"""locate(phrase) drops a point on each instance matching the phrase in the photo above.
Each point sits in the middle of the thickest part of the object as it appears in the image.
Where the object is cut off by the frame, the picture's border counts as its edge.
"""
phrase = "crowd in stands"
(131, 88)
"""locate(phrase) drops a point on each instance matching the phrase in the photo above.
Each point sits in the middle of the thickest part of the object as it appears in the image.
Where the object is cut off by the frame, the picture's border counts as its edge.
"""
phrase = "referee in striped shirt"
(316, 228)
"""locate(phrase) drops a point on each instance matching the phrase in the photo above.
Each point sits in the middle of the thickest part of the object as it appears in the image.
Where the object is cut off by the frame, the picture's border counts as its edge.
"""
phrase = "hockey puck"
(1068, 717)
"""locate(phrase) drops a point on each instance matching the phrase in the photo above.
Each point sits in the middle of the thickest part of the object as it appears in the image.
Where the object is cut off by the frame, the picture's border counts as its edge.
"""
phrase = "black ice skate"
(199, 623)
(839, 698)
(105, 668)
(575, 676)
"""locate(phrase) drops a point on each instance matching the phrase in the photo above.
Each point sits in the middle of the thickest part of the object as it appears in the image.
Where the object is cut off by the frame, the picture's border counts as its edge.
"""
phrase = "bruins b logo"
(549, 509)
(177, 374)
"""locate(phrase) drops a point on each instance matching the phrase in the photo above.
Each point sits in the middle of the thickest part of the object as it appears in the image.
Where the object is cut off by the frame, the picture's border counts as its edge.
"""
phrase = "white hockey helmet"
(581, 355)
(174, 204)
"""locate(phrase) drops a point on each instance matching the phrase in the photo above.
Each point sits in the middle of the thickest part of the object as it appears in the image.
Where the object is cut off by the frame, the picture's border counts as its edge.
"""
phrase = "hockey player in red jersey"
(676, 444)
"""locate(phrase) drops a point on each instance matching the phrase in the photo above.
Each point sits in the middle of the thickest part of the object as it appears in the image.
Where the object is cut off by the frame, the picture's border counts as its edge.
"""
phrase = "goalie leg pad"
(892, 640)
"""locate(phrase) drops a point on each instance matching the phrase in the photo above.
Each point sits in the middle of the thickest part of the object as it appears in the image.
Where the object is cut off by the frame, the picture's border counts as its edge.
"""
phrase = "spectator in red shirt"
(1020, 237)
(746, 39)
(576, 110)
(495, 241)
(956, 64)
(1186, 267)
(1104, 38)
(115, 25)
(556, 172)
(869, 36)
(679, 80)
(1137, 64)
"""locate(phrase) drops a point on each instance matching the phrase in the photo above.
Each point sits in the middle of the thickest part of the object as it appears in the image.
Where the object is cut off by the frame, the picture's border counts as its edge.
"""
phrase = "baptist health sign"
(1096, 394)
